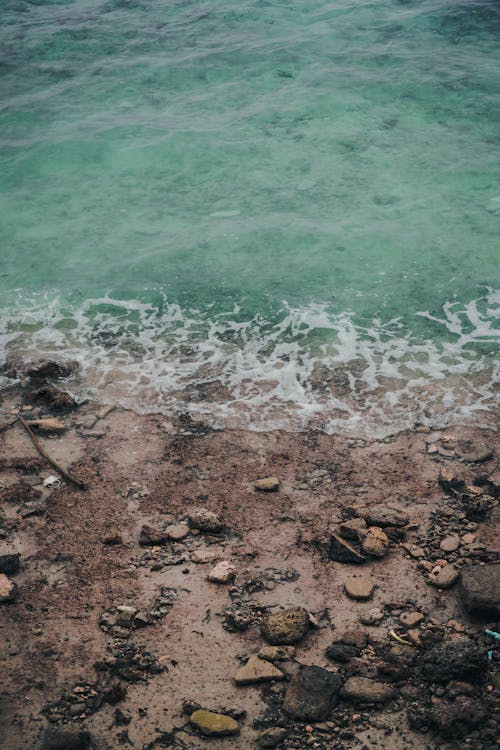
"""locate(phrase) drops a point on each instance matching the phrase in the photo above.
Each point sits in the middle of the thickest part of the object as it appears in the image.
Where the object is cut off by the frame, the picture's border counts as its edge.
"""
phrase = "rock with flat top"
(475, 453)
(286, 627)
(177, 531)
(212, 724)
(277, 653)
(267, 484)
(382, 516)
(311, 694)
(358, 588)
(204, 556)
(364, 690)
(480, 589)
(48, 425)
(450, 543)
(354, 529)
(343, 552)
(257, 670)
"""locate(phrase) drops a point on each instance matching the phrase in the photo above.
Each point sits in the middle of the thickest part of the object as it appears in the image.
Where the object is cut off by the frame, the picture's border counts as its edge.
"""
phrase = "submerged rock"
(312, 694)
(53, 397)
(212, 724)
(287, 627)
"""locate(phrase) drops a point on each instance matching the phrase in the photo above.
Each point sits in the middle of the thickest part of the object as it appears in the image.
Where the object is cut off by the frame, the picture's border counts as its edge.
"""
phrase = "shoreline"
(83, 553)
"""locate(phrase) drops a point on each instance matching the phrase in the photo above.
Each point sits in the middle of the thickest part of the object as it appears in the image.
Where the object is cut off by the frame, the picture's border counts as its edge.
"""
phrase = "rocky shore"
(198, 588)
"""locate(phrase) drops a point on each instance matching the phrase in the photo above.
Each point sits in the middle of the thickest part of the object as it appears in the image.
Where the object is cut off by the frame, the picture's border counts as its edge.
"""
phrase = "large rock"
(342, 551)
(8, 589)
(443, 577)
(382, 516)
(257, 670)
(480, 589)
(223, 572)
(205, 520)
(53, 397)
(56, 738)
(9, 563)
(456, 719)
(376, 542)
(212, 724)
(454, 659)
(311, 694)
(287, 627)
(364, 690)
(151, 536)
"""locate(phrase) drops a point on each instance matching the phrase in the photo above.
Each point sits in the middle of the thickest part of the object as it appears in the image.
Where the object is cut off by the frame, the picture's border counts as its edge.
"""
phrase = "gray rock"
(364, 690)
(480, 589)
(454, 659)
(9, 564)
(474, 452)
(311, 694)
(450, 543)
(382, 516)
(342, 652)
(272, 737)
(342, 551)
(205, 520)
(287, 627)
(151, 536)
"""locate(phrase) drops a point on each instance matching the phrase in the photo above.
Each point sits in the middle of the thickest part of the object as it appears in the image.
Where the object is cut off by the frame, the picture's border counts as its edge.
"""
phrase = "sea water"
(266, 213)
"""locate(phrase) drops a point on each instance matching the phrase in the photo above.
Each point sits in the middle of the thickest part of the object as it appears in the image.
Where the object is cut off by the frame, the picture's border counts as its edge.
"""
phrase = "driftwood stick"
(48, 458)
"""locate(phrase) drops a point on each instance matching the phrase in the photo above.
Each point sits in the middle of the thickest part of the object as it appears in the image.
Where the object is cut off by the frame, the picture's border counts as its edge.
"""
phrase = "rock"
(272, 737)
(8, 589)
(268, 484)
(414, 550)
(277, 653)
(376, 542)
(9, 563)
(223, 572)
(311, 694)
(150, 536)
(212, 724)
(257, 670)
(177, 531)
(342, 551)
(48, 425)
(454, 659)
(456, 719)
(204, 556)
(480, 589)
(381, 516)
(469, 538)
(474, 452)
(51, 369)
(371, 616)
(125, 615)
(450, 543)
(364, 690)
(401, 654)
(56, 738)
(410, 619)
(354, 529)
(443, 577)
(54, 397)
(205, 520)
(358, 588)
(286, 627)
(112, 537)
(458, 687)
(342, 652)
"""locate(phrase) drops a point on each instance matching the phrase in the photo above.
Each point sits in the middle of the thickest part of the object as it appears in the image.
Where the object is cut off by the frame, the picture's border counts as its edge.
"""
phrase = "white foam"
(305, 366)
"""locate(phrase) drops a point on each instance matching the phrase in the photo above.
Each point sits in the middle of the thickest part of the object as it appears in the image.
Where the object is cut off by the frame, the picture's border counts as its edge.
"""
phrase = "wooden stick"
(48, 458)
(9, 424)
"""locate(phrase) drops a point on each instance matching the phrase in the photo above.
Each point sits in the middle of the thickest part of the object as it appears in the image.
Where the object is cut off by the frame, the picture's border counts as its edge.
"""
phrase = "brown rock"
(450, 543)
(177, 531)
(223, 572)
(474, 452)
(480, 589)
(286, 627)
(277, 653)
(410, 619)
(268, 484)
(354, 529)
(54, 397)
(364, 690)
(358, 588)
(382, 516)
(8, 589)
(150, 536)
(443, 577)
(375, 543)
(205, 520)
(257, 670)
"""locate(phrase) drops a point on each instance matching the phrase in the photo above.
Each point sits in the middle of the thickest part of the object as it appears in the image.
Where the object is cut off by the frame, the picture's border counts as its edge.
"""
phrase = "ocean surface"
(268, 214)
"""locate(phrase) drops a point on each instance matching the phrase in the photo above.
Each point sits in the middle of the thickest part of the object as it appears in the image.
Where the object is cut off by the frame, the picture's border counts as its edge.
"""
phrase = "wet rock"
(358, 588)
(52, 369)
(450, 543)
(410, 619)
(354, 529)
(480, 589)
(9, 563)
(311, 694)
(277, 653)
(286, 627)
(151, 536)
(268, 484)
(474, 452)
(382, 516)
(177, 531)
(375, 543)
(342, 551)
(257, 670)
(8, 589)
(443, 577)
(364, 690)
(223, 572)
(205, 520)
(456, 719)
(454, 659)
(56, 738)
(272, 737)
(53, 397)
(212, 724)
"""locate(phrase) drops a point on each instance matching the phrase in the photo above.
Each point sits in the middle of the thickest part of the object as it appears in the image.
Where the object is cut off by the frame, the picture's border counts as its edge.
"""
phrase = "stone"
(401, 654)
(480, 589)
(287, 627)
(8, 589)
(376, 542)
(456, 658)
(364, 690)
(272, 737)
(475, 453)
(150, 536)
(56, 738)
(414, 550)
(443, 577)
(277, 653)
(223, 572)
(458, 687)
(257, 670)
(410, 619)
(268, 484)
(9, 563)
(51, 369)
(372, 616)
(450, 543)
(311, 694)
(342, 551)
(342, 652)
(177, 531)
(205, 520)
(469, 538)
(125, 615)
(358, 588)
(204, 556)
(382, 516)
(455, 719)
(53, 397)
(212, 724)
(354, 529)
(112, 537)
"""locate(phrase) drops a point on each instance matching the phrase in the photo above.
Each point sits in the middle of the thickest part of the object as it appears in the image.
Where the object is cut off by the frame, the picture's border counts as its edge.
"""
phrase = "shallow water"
(268, 213)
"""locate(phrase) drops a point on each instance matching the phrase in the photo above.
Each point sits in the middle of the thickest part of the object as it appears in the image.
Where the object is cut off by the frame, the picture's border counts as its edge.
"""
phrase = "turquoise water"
(265, 212)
